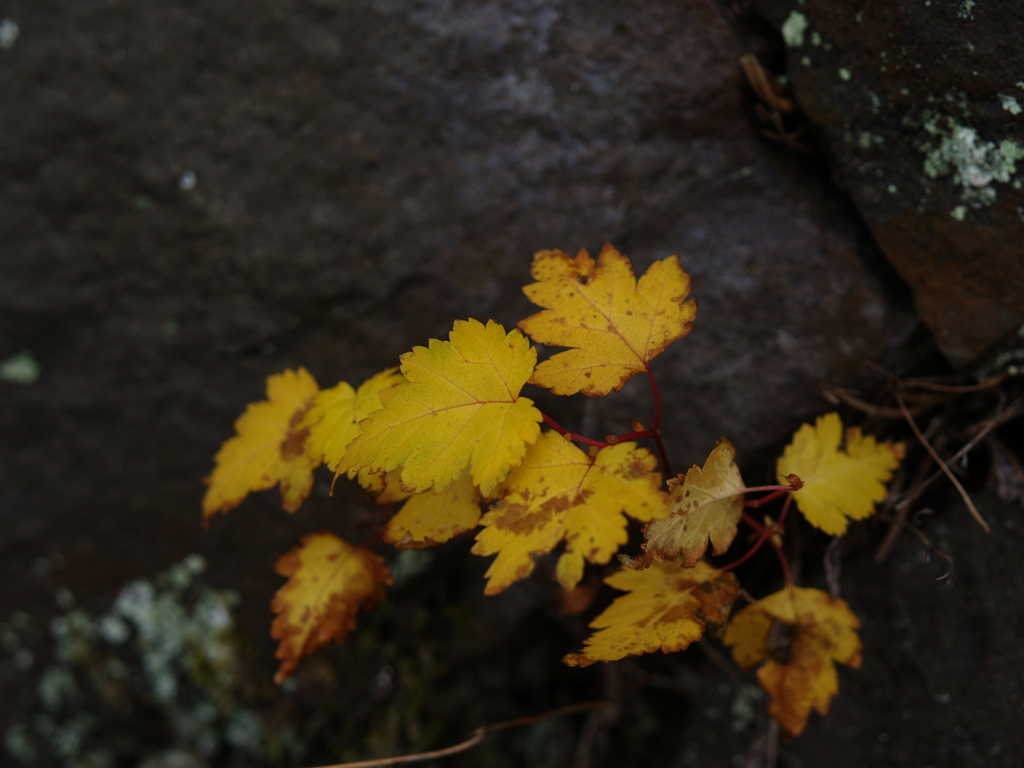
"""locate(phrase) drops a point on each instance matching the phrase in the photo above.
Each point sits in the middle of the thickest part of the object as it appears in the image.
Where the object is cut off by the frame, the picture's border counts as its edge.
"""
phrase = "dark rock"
(197, 195)
(920, 107)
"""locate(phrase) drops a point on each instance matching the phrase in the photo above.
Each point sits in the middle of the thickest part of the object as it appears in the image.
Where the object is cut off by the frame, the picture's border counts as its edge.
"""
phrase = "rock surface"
(921, 106)
(200, 194)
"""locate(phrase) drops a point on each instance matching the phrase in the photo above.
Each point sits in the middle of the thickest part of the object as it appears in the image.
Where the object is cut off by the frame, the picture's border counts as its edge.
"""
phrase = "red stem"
(765, 535)
(634, 435)
(784, 563)
(753, 523)
(572, 435)
(656, 426)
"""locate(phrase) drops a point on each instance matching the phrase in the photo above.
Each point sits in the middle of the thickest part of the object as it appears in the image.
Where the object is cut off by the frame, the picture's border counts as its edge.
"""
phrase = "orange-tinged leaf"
(667, 608)
(615, 324)
(433, 517)
(459, 405)
(270, 448)
(839, 484)
(334, 417)
(705, 503)
(798, 633)
(329, 580)
(559, 492)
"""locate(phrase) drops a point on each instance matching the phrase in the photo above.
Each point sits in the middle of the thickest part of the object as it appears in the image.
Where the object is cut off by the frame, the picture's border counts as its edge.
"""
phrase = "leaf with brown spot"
(667, 608)
(798, 633)
(705, 503)
(329, 580)
(614, 324)
(559, 492)
(271, 448)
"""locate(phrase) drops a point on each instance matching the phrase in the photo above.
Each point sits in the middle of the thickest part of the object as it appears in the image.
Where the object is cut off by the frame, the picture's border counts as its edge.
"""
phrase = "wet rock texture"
(199, 195)
(921, 107)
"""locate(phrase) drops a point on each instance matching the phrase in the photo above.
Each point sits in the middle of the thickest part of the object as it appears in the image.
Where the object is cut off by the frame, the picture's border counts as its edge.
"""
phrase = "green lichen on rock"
(794, 28)
(166, 658)
(1010, 104)
(972, 163)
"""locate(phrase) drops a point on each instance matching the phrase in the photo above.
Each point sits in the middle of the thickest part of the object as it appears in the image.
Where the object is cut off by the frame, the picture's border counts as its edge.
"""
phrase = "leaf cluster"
(450, 437)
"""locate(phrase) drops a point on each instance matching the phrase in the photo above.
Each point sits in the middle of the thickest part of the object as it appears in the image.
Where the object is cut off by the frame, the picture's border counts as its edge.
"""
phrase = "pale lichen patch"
(794, 28)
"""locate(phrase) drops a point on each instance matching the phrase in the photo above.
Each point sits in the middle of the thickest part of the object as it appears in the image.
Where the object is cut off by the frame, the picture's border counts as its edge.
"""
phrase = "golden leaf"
(667, 608)
(560, 492)
(333, 420)
(705, 503)
(614, 324)
(838, 484)
(459, 405)
(798, 633)
(434, 517)
(270, 448)
(329, 580)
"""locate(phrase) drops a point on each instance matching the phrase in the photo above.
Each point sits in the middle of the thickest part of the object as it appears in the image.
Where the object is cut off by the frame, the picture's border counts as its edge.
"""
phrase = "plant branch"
(942, 465)
(656, 426)
(478, 735)
(572, 435)
(776, 491)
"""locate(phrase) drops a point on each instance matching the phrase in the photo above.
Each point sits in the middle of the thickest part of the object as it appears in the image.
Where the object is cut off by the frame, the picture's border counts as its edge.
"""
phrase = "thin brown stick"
(478, 735)
(932, 549)
(981, 386)
(1010, 412)
(938, 460)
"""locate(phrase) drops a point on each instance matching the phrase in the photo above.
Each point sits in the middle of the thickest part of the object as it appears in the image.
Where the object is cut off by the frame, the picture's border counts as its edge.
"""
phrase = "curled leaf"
(704, 504)
(459, 405)
(667, 607)
(271, 448)
(840, 483)
(615, 324)
(798, 633)
(559, 492)
(329, 580)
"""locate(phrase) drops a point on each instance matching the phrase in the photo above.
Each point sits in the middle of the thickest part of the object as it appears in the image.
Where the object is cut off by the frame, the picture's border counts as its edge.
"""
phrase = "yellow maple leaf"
(434, 517)
(270, 448)
(459, 405)
(615, 324)
(560, 492)
(705, 503)
(798, 633)
(329, 580)
(334, 417)
(667, 608)
(839, 484)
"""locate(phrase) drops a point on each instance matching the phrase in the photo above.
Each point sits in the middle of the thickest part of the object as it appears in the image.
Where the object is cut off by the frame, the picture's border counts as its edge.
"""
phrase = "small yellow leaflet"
(559, 492)
(329, 580)
(839, 484)
(333, 420)
(798, 633)
(459, 405)
(270, 448)
(615, 324)
(434, 517)
(667, 608)
(705, 503)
